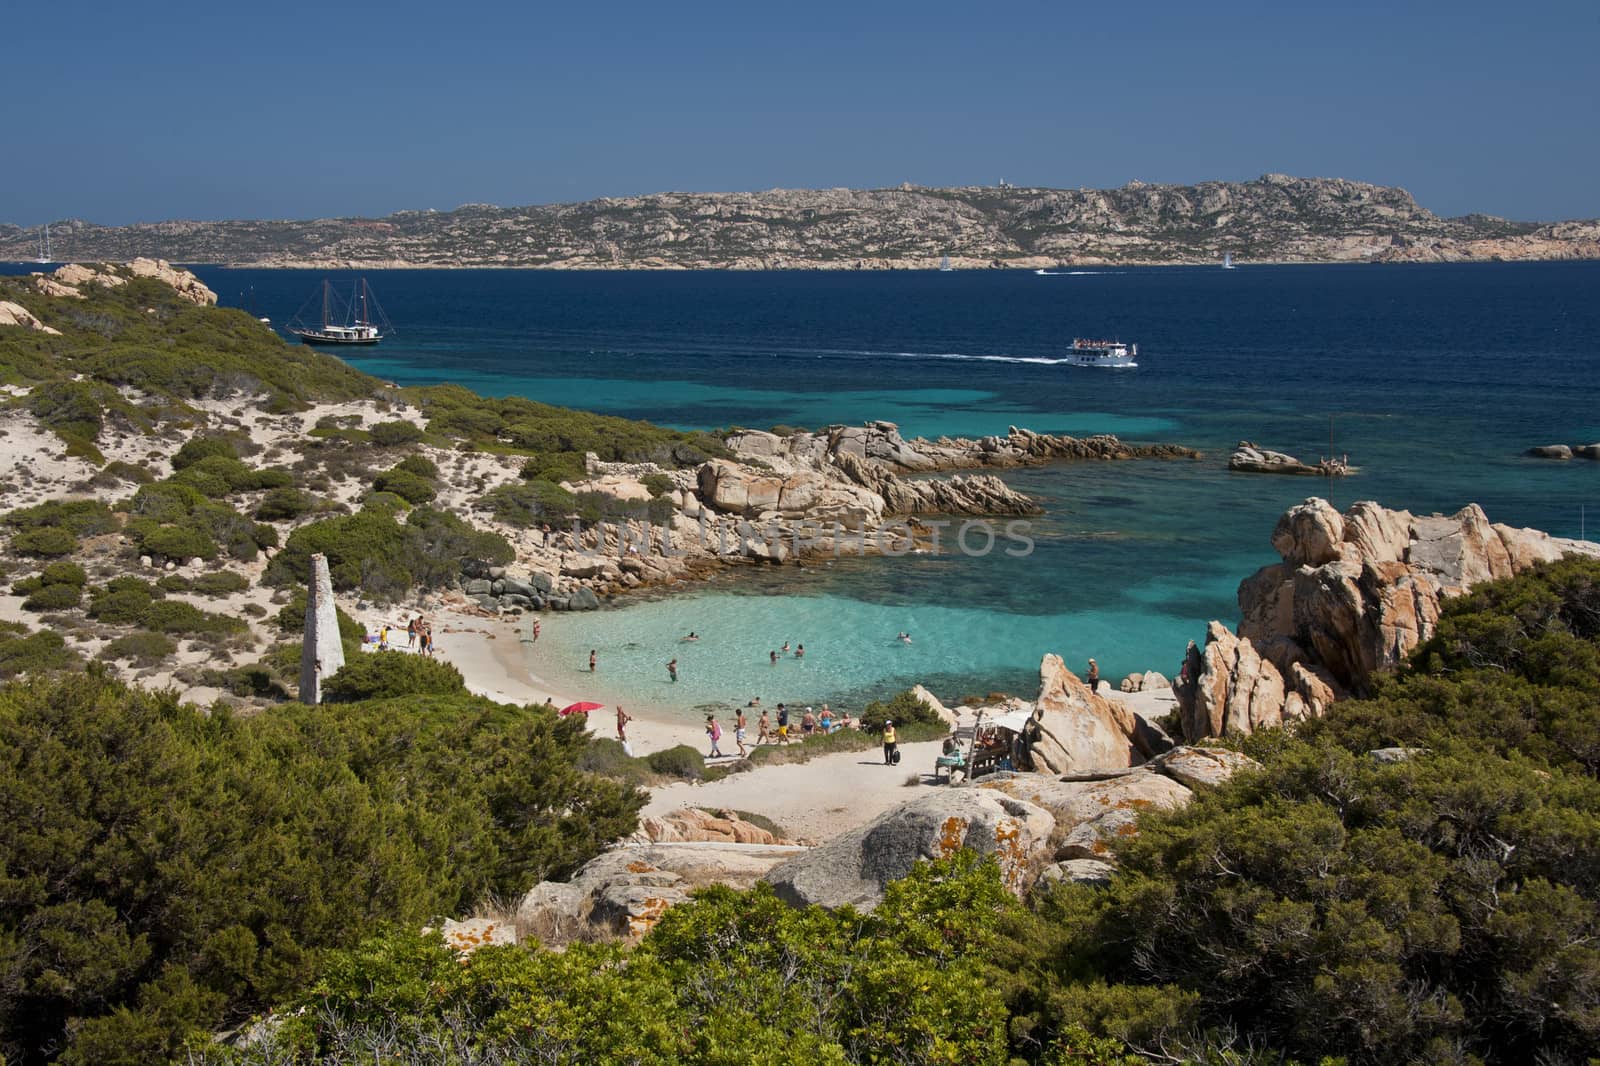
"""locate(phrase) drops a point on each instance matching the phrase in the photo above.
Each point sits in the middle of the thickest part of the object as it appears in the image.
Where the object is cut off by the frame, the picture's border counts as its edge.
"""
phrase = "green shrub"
(176, 543)
(904, 709)
(388, 674)
(45, 542)
(175, 616)
(53, 598)
(384, 558)
(174, 583)
(409, 487)
(220, 583)
(27, 585)
(291, 619)
(555, 468)
(284, 503)
(117, 470)
(143, 648)
(394, 434)
(419, 465)
(530, 503)
(81, 518)
(657, 484)
(681, 762)
(62, 573)
(180, 870)
(121, 607)
(33, 654)
(197, 448)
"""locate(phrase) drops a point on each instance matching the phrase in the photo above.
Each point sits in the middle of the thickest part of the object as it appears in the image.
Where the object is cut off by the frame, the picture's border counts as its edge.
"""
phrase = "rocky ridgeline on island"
(1274, 218)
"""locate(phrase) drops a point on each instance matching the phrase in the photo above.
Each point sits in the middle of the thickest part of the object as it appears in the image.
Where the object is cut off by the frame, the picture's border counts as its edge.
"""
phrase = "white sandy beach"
(813, 800)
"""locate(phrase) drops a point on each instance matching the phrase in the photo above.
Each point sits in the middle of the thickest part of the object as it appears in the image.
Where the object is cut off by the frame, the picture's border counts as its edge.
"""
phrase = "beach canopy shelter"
(1012, 721)
(580, 708)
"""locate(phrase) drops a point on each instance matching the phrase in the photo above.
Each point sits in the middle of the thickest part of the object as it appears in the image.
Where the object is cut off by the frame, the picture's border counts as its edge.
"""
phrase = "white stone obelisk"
(322, 653)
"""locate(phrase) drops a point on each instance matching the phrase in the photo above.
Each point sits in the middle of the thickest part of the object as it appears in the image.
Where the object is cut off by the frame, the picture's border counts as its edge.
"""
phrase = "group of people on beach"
(419, 635)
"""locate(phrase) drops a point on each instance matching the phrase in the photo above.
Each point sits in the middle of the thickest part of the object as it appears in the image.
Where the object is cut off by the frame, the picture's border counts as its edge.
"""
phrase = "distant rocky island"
(1275, 218)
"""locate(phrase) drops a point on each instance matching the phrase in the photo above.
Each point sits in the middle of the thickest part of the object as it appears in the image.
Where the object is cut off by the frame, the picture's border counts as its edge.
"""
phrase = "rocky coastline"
(1274, 219)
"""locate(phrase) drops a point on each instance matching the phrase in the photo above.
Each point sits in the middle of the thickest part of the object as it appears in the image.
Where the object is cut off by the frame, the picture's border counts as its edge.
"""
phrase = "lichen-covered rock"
(1201, 767)
(468, 936)
(621, 894)
(854, 867)
(693, 825)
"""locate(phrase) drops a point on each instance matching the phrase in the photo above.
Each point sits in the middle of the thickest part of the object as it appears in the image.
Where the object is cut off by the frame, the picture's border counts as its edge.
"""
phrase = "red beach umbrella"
(580, 708)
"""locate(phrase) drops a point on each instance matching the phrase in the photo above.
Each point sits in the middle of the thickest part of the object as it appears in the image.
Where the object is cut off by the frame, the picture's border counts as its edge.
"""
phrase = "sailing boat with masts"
(44, 246)
(356, 322)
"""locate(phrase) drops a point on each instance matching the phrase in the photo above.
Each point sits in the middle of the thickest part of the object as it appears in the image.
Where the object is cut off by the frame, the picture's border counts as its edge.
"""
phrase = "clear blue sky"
(120, 112)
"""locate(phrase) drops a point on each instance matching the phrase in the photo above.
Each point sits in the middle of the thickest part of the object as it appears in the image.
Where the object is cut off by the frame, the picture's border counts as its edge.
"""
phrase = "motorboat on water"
(1102, 353)
(360, 321)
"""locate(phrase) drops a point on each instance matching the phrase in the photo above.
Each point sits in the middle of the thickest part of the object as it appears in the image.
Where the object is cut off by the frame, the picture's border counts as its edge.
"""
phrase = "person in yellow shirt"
(890, 748)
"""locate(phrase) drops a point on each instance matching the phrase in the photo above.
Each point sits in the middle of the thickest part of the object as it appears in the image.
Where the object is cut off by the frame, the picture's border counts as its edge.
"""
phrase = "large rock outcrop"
(1080, 730)
(621, 894)
(854, 867)
(1354, 594)
(16, 315)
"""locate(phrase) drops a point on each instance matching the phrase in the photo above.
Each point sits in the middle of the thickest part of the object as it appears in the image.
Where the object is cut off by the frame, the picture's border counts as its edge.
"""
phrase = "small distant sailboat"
(356, 322)
(944, 264)
(1227, 260)
(44, 246)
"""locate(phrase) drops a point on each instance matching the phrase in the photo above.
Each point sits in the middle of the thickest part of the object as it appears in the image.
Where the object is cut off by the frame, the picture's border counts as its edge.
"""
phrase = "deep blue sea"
(1435, 379)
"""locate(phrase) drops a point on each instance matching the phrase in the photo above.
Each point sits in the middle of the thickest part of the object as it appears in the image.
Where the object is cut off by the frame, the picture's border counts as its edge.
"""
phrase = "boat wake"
(1075, 273)
(1039, 360)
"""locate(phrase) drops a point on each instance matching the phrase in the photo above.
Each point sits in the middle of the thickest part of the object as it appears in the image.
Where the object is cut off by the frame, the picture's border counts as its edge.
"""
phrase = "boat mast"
(363, 321)
(326, 289)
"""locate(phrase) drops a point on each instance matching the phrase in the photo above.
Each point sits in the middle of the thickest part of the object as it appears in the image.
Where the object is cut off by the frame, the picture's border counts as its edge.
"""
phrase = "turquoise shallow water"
(1436, 378)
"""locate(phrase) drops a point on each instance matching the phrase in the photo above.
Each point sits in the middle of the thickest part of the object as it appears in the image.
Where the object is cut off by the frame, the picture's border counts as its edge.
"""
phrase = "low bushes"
(406, 485)
(394, 434)
(171, 520)
(383, 557)
(33, 654)
(386, 675)
(143, 648)
(282, 504)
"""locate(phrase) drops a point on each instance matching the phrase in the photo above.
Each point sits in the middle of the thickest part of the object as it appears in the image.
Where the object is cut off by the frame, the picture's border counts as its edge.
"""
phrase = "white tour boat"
(1102, 353)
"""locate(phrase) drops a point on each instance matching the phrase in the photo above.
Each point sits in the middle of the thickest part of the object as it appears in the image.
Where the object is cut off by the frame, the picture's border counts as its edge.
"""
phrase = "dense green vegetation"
(730, 978)
(167, 870)
(384, 557)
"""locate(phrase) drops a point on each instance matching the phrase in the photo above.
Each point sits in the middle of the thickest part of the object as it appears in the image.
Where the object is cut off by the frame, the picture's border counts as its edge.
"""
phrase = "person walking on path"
(1093, 676)
(783, 724)
(411, 633)
(591, 660)
(714, 731)
(891, 747)
(672, 669)
(738, 733)
(623, 718)
(763, 727)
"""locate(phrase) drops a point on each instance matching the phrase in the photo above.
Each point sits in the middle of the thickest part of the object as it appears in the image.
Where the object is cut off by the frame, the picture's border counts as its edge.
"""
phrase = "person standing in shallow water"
(1093, 677)
(672, 669)
(591, 660)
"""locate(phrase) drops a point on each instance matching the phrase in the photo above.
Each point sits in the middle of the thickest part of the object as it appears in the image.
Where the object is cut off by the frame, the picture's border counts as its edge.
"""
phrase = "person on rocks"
(738, 732)
(1093, 676)
(672, 670)
(825, 719)
(714, 731)
(808, 723)
(891, 746)
(591, 660)
(783, 724)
